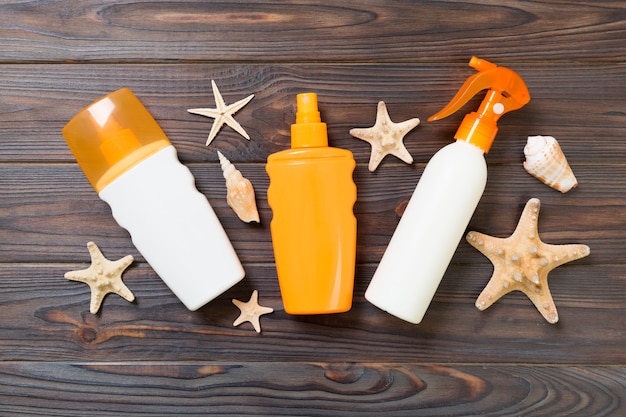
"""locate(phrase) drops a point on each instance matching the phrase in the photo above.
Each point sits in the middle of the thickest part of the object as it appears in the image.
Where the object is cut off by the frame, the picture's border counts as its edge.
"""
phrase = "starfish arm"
(255, 320)
(376, 158)
(96, 301)
(123, 263)
(230, 121)
(400, 150)
(254, 299)
(217, 125)
(235, 107)
(363, 134)
(219, 101)
(408, 125)
(213, 113)
(558, 255)
(542, 300)
(266, 310)
(95, 252)
(382, 114)
(242, 317)
(78, 275)
(489, 246)
(403, 154)
(124, 292)
(256, 324)
(118, 285)
(527, 223)
(493, 291)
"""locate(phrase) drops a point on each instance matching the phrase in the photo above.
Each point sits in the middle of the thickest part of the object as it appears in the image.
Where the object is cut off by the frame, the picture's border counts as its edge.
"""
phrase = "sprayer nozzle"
(307, 111)
(481, 64)
(308, 130)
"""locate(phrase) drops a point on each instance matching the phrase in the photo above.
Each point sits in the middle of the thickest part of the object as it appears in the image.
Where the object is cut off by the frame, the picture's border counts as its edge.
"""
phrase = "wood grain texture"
(312, 389)
(396, 30)
(581, 105)
(49, 319)
(50, 211)
(153, 357)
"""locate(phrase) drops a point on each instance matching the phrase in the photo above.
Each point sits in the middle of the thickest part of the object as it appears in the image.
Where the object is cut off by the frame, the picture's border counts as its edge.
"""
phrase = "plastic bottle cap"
(308, 131)
(112, 135)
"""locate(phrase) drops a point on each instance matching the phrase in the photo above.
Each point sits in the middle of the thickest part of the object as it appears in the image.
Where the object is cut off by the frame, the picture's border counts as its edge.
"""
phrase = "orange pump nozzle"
(309, 130)
(507, 92)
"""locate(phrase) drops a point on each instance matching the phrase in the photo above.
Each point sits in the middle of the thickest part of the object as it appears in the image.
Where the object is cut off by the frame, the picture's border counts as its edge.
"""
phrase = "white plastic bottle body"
(429, 232)
(175, 228)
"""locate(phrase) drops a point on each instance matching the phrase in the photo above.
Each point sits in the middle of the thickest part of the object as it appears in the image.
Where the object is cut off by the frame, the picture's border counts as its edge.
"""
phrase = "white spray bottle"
(445, 198)
(134, 168)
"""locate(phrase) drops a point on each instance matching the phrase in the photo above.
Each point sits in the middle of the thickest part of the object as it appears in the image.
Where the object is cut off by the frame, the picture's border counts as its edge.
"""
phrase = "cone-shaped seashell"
(546, 162)
(240, 193)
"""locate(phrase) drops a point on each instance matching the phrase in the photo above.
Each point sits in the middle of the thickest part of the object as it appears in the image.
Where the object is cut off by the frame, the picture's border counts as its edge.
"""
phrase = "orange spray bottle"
(313, 228)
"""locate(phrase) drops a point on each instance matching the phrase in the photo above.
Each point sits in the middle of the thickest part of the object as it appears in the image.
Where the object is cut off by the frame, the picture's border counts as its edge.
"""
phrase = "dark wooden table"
(153, 357)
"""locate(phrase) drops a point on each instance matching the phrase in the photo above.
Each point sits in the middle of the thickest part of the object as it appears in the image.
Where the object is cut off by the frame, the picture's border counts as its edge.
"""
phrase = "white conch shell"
(240, 193)
(546, 162)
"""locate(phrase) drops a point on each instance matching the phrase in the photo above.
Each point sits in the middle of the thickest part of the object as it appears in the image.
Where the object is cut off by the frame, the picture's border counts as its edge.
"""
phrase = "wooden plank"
(46, 318)
(48, 212)
(313, 389)
(581, 105)
(154, 357)
(398, 31)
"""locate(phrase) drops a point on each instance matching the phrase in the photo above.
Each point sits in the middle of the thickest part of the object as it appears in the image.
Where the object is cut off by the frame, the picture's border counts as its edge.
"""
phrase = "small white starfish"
(223, 114)
(386, 137)
(103, 277)
(251, 311)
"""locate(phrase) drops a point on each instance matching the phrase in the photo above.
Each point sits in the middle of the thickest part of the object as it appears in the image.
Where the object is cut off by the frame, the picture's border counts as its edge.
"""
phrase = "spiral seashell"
(546, 162)
(240, 193)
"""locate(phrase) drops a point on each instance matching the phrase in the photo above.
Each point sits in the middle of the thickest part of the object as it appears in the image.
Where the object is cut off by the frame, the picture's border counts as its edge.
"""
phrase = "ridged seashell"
(546, 162)
(240, 193)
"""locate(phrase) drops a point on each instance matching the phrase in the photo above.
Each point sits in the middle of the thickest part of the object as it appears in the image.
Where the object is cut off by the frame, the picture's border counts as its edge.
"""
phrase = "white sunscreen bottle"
(133, 166)
(445, 198)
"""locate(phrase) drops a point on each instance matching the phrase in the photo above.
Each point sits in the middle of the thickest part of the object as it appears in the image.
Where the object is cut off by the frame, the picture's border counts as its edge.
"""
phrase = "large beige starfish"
(223, 114)
(251, 311)
(103, 277)
(386, 137)
(522, 262)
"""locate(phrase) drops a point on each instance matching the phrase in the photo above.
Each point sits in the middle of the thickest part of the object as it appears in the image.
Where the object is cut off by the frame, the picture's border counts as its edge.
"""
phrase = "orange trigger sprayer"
(445, 197)
(507, 92)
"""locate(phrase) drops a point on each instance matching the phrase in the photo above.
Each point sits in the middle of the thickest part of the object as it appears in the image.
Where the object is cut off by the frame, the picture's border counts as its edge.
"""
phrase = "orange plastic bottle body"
(312, 196)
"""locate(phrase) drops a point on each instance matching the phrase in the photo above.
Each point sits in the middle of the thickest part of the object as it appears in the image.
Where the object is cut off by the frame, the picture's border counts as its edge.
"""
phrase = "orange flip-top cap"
(112, 135)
